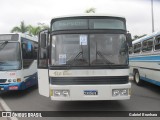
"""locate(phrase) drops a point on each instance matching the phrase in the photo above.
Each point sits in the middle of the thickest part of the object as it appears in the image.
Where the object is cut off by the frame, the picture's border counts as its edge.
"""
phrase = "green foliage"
(31, 30)
(21, 29)
(34, 30)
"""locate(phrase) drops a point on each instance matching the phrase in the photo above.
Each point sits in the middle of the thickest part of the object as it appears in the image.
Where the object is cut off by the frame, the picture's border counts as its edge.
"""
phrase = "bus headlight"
(115, 92)
(9, 80)
(57, 92)
(62, 93)
(65, 93)
(14, 80)
(120, 92)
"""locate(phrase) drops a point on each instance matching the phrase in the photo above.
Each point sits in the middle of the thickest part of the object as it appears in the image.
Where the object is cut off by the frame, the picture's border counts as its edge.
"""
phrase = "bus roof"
(33, 38)
(146, 37)
(89, 15)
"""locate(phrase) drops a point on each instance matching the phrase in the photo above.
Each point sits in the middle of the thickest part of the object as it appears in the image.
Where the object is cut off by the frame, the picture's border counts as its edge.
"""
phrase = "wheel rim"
(137, 78)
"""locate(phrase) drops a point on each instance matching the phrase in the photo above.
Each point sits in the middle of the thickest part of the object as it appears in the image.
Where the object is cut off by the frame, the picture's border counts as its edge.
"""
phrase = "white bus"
(145, 59)
(18, 61)
(84, 57)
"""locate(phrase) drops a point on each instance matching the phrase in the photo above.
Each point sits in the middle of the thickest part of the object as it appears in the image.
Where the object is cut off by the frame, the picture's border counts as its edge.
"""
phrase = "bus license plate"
(90, 92)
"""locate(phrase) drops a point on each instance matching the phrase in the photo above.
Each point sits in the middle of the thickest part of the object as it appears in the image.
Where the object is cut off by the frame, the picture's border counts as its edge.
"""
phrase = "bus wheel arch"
(137, 77)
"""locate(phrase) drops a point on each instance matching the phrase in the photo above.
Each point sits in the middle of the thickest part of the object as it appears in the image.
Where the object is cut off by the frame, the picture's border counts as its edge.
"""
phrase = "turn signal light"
(18, 79)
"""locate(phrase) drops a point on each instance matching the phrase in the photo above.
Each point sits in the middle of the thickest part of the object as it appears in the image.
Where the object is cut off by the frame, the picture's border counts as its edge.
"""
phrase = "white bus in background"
(145, 59)
(18, 61)
(84, 57)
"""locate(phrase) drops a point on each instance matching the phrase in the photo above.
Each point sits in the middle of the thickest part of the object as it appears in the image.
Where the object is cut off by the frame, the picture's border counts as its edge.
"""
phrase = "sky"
(136, 12)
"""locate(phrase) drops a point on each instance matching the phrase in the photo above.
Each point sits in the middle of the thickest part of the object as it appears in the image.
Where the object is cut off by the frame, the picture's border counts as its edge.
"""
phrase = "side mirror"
(129, 39)
(43, 40)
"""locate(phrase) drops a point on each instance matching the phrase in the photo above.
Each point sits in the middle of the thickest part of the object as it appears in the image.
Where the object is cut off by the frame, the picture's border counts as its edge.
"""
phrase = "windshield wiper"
(3, 45)
(77, 56)
(72, 61)
(106, 61)
(103, 58)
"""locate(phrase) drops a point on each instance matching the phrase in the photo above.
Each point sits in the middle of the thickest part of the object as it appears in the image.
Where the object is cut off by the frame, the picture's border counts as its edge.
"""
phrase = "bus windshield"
(9, 56)
(89, 49)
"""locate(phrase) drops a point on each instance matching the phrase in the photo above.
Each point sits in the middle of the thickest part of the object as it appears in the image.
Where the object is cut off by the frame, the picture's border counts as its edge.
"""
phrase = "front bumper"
(11, 86)
(76, 92)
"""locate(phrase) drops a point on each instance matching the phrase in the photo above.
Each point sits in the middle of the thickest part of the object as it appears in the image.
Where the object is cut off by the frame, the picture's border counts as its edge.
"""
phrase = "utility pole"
(152, 15)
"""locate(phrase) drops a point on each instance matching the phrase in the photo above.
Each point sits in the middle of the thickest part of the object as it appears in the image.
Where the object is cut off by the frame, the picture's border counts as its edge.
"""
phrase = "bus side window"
(157, 43)
(147, 45)
(27, 52)
(35, 50)
(137, 47)
(150, 44)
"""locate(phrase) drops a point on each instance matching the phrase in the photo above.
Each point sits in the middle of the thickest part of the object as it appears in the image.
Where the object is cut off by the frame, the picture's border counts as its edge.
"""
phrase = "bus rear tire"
(137, 78)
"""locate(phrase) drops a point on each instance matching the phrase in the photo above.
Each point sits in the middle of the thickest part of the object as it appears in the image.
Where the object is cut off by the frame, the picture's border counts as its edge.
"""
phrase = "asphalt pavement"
(143, 98)
(4, 118)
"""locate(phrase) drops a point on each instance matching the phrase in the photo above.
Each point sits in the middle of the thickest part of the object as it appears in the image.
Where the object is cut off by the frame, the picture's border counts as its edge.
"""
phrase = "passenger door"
(43, 79)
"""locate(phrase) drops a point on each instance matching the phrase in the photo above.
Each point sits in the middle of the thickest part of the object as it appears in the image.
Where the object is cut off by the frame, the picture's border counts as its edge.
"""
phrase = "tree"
(34, 30)
(137, 37)
(43, 26)
(90, 10)
(21, 29)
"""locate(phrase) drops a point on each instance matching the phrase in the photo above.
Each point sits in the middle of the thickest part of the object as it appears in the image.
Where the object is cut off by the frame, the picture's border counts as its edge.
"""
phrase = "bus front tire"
(137, 78)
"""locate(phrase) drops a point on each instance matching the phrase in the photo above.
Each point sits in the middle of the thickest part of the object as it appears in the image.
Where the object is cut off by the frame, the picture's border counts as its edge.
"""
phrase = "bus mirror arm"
(129, 39)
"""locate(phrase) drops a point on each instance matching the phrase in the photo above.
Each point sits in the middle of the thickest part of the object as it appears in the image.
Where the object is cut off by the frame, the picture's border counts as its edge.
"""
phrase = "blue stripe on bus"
(151, 81)
(146, 58)
(30, 81)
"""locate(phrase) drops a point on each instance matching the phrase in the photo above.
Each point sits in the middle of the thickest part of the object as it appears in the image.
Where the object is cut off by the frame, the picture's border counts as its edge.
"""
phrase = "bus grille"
(3, 80)
(89, 80)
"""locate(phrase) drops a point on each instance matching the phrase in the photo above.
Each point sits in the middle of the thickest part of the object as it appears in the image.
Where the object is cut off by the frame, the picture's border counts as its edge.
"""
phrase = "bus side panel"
(151, 76)
(137, 66)
(43, 82)
(30, 74)
(151, 71)
(148, 70)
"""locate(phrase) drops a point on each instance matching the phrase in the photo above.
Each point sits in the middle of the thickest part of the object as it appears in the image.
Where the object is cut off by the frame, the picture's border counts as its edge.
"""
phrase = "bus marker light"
(14, 80)
(18, 79)
(51, 92)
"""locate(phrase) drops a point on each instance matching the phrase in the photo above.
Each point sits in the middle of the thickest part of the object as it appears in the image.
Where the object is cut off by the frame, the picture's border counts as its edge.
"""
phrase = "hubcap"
(137, 78)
